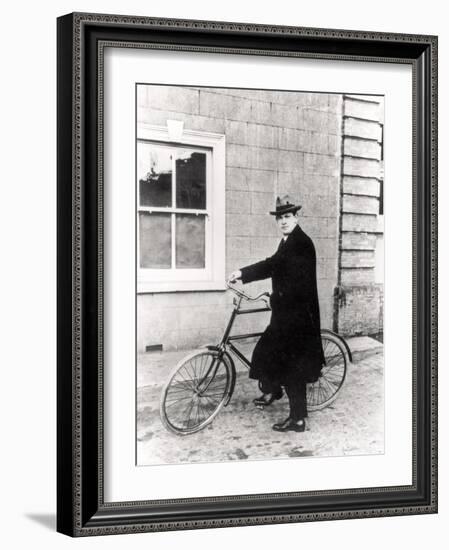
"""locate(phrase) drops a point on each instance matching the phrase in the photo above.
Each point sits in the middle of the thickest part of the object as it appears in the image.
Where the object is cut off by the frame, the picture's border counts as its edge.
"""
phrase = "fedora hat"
(285, 204)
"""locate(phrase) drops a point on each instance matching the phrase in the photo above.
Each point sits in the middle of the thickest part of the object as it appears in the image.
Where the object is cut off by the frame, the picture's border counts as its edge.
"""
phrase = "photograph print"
(259, 274)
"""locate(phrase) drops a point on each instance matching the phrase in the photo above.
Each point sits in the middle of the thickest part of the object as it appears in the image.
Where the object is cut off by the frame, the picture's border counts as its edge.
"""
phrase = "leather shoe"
(267, 398)
(290, 425)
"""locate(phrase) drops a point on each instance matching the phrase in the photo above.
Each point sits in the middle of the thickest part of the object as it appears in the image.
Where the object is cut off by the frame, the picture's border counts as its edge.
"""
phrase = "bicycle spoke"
(189, 413)
(328, 388)
(202, 370)
(210, 401)
(195, 393)
(185, 381)
(172, 403)
(191, 374)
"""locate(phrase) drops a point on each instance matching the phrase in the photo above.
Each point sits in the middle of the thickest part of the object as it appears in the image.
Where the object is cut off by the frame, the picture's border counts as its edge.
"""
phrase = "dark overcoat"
(290, 348)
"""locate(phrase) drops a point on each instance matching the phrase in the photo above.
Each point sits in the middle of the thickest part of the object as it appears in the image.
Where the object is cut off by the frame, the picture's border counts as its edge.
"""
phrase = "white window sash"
(212, 277)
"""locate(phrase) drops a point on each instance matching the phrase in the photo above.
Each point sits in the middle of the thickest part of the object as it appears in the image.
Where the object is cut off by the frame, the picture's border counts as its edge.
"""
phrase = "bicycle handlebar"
(245, 296)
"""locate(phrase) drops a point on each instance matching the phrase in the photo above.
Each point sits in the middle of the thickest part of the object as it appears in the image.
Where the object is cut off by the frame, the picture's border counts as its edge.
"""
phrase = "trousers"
(296, 393)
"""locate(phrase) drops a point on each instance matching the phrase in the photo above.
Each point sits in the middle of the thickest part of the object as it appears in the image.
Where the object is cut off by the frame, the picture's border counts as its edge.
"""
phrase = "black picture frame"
(81, 510)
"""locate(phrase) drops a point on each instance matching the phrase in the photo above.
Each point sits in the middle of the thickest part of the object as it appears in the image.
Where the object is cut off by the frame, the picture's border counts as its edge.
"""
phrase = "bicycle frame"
(221, 356)
(226, 341)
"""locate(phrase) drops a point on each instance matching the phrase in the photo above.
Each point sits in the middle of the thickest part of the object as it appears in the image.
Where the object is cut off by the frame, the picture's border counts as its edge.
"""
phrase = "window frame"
(212, 276)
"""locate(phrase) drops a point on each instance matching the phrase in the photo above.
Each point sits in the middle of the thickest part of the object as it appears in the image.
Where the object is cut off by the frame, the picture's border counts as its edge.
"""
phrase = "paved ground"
(352, 425)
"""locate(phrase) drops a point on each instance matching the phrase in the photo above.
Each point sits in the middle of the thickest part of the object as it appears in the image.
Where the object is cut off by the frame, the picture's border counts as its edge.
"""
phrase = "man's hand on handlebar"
(235, 276)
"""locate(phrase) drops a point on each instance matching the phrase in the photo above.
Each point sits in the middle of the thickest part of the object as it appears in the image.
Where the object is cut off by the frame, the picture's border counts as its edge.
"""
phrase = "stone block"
(358, 241)
(361, 186)
(238, 225)
(326, 248)
(314, 227)
(360, 204)
(361, 167)
(245, 94)
(261, 180)
(313, 142)
(260, 112)
(261, 158)
(238, 247)
(333, 144)
(319, 184)
(335, 102)
(290, 183)
(159, 117)
(236, 262)
(297, 99)
(221, 105)
(289, 139)
(357, 147)
(261, 135)
(327, 315)
(359, 309)
(290, 161)
(321, 164)
(357, 258)
(356, 276)
(174, 300)
(263, 247)
(262, 225)
(334, 123)
(236, 178)
(237, 202)
(173, 98)
(362, 128)
(236, 132)
(200, 317)
(317, 100)
(333, 229)
(316, 121)
(262, 203)
(204, 124)
(319, 206)
(285, 116)
(238, 156)
(368, 110)
(360, 223)
(327, 268)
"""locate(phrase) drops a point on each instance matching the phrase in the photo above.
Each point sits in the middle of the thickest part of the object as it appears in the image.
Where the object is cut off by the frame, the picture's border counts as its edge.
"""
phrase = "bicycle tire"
(184, 407)
(324, 391)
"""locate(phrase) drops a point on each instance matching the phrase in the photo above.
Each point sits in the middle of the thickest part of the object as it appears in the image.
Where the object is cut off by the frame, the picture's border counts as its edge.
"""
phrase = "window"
(180, 211)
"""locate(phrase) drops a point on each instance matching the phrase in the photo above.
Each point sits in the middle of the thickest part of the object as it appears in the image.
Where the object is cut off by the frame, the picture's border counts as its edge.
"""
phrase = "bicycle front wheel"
(195, 391)
(321, 393)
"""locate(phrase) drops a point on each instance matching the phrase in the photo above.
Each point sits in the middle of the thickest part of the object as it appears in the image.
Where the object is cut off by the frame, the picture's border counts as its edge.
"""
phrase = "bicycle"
(204, 381)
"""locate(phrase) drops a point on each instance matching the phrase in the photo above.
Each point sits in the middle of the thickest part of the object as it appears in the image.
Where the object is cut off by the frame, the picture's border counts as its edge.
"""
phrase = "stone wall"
(358, 298)
(276, 143)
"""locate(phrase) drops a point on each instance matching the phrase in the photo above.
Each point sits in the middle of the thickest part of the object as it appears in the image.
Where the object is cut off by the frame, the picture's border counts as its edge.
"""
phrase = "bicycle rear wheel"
(195, 391)
(321, 393)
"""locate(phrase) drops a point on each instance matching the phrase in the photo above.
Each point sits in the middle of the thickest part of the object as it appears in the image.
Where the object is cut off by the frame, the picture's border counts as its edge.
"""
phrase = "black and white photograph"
(259, 274)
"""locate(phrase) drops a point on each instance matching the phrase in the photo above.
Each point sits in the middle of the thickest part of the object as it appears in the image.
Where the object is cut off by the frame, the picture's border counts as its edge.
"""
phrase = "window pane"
(154, 172)
(155, 240)
(190, 241)
(190, 179)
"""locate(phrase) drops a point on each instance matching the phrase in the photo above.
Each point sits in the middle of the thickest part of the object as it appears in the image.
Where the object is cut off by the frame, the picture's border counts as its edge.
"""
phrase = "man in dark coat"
(289, 353)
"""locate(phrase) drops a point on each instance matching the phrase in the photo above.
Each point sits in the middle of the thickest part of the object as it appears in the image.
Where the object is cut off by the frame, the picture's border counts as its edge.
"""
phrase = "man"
(289, 353)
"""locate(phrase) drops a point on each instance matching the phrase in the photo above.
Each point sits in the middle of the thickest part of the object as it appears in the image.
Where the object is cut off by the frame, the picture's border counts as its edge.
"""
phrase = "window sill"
(146, 287)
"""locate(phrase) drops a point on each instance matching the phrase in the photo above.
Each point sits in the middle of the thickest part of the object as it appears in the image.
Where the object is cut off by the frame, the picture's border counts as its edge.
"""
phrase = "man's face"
(287, 222)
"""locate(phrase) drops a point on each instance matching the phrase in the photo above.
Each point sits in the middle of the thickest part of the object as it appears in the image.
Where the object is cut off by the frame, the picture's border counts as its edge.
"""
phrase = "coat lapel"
(292, 240)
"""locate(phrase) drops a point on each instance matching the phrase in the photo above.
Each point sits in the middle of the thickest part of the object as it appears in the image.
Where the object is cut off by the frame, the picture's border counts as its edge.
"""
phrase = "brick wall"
(358, 298)
(276, 143)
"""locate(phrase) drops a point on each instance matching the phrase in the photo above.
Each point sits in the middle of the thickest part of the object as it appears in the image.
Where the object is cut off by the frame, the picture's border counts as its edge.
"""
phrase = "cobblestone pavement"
(352, 425)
